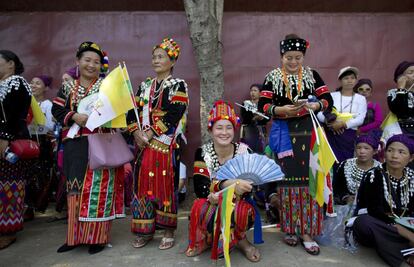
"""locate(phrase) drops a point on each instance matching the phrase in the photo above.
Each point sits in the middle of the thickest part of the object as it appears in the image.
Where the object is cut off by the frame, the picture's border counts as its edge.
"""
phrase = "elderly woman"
(208, 160)
(89, 220)
(387, 193)
(373, 117)
(284, 98)
(351, 110)
(162, 103)
(15, 97)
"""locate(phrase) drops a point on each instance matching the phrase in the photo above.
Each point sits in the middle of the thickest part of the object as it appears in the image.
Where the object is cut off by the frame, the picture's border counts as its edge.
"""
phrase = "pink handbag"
(108, 150)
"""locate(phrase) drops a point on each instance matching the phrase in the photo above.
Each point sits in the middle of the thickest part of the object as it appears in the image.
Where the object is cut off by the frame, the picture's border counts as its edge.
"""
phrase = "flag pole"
(225, 189)
(315, 127)
(131, 93)
(323, 134)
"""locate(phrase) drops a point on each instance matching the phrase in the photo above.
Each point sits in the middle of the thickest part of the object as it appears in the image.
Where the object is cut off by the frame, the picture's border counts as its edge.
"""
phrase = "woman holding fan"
(285, 98)
(222, 123)
(162, 103)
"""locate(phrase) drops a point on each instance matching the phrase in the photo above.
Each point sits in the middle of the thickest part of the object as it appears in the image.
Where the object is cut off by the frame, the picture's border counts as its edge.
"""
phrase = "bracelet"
(320, 106)
(273, 111)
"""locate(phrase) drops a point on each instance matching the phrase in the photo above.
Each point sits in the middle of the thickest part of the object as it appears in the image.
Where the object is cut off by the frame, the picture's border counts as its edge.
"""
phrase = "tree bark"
(204, 19)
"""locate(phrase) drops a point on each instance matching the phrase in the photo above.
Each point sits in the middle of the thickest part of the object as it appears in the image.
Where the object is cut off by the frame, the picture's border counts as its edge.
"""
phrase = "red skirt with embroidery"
(201, 224)
(154, 202)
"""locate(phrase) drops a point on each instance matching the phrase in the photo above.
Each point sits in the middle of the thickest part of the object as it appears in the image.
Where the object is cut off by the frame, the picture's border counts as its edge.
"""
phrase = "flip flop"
(291, 240)
(166, 243)
(192, 252)
(140, 242)
(311, 247)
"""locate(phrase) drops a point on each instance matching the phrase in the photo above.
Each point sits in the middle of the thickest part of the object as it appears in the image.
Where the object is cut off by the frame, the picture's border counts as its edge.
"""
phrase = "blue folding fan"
(256, 168)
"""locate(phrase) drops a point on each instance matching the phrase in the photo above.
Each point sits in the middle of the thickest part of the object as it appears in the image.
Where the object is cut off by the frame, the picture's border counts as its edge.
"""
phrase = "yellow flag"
(38, 116)
(118, 122)
(116, 90)
(326, 156)
(326, 160)
(114, 101)
(390, 119)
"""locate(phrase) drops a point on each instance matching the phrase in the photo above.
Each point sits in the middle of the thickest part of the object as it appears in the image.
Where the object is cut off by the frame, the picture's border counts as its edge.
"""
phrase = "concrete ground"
(36, 246)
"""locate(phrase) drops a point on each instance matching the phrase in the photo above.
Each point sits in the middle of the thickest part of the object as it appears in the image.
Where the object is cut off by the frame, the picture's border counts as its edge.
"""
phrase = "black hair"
(292, 36)
(259, 86)
(9, 55)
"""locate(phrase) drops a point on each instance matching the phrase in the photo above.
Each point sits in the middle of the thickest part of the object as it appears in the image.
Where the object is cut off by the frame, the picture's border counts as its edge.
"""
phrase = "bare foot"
(410, 260)
(251, 252)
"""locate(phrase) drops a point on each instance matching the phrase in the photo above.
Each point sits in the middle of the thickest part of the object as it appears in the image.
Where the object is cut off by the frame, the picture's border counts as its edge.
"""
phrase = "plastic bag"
(333, 233)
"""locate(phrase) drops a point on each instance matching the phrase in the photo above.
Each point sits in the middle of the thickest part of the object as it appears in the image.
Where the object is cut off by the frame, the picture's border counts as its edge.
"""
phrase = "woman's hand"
(3, 146)
(290, 110)
(141, 138)
(404, 232)
(242, 187)
(338, 126)
(315, 106)
(80, 119)
(213, 198)
(402, 82)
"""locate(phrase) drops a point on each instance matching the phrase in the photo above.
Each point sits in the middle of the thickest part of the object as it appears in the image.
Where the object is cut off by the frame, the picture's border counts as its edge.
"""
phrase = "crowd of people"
(373, 175)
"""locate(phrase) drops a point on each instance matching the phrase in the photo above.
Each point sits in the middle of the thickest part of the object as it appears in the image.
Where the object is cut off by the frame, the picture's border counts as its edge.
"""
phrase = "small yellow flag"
(38, 116)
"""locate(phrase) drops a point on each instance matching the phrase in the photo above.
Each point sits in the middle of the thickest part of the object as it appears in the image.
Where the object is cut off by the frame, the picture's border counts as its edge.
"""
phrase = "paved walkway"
(37, 243)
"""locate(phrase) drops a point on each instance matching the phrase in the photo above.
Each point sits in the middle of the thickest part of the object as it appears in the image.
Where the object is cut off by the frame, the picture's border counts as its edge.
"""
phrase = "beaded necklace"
(288, 83)
(211, 158)
(291, 85)
(12, 83)
(405, 186)
(80, 92)
(353, 174)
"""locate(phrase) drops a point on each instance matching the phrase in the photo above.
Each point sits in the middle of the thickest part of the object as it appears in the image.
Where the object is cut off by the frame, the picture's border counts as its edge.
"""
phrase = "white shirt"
(46, 107)
(356, 105)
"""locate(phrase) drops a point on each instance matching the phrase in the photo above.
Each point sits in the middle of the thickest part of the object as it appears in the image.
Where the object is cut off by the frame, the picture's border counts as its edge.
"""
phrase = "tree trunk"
(204, 19)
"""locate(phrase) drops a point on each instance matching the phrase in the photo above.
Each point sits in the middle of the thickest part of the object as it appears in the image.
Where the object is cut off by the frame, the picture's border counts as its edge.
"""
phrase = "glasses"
(364, 89)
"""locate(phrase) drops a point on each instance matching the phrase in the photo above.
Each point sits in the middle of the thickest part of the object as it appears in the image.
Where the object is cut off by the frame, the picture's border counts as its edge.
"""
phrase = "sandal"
(140, 241)
(6, 241)
(311, 247)
(166, 243)
(291, 240)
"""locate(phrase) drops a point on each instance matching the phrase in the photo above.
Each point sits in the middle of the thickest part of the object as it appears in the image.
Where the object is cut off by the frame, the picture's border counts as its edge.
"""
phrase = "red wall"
(375, 43)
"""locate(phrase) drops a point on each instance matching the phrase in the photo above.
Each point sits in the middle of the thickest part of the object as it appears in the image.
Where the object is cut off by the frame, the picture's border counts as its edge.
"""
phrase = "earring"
(77, 71)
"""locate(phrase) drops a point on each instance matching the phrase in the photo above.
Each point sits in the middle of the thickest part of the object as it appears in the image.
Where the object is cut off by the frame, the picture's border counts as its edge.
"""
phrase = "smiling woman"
(209, 158)
(284, 98)
(89, 222)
